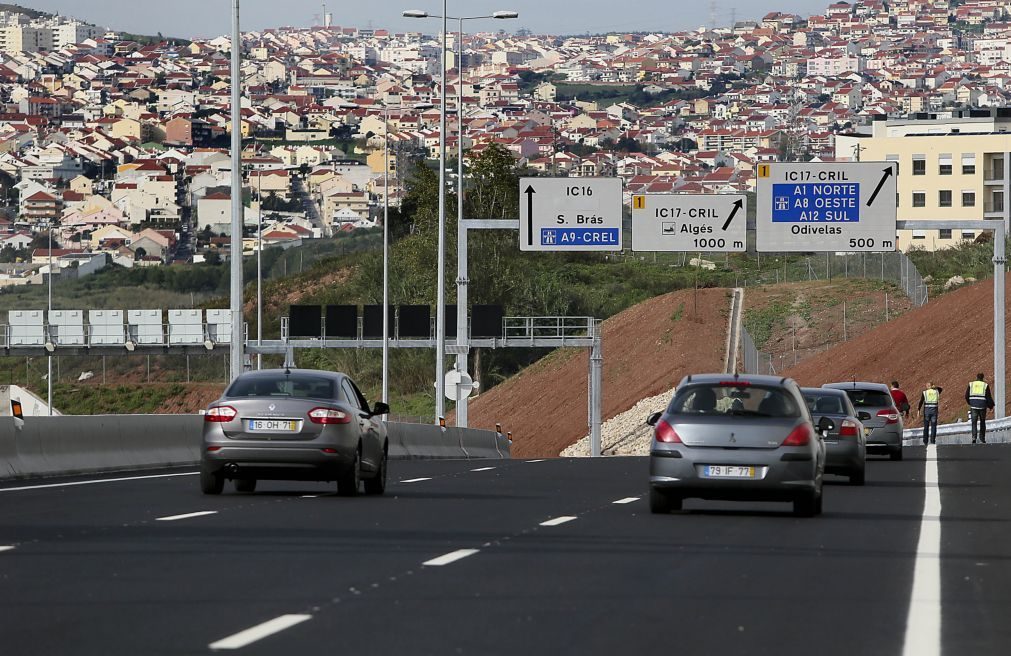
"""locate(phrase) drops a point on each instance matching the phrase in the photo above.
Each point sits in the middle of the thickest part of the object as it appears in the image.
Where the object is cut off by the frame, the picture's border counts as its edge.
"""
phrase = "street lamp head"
(415, 13)
(505, 14)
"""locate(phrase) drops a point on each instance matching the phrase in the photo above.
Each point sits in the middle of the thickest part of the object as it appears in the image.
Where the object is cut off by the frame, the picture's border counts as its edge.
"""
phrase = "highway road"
(510, 557)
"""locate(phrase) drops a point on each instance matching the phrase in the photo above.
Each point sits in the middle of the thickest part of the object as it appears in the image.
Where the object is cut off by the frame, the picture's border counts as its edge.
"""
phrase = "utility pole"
(236, 345)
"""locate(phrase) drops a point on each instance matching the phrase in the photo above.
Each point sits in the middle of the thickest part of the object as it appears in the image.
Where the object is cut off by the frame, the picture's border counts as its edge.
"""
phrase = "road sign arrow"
(881, 183)
(738, 204)
(530, 214)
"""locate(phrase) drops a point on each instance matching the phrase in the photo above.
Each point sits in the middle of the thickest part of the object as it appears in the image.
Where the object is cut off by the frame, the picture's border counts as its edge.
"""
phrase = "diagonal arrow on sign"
(881, 183)
(530, 214)
(738, 204)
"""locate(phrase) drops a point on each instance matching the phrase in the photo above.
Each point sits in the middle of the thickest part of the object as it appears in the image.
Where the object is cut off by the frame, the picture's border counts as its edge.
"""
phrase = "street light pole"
(462, 336)
(386, 254)
(49, 315)
(259, 269)
(440, 300)
(237, 339)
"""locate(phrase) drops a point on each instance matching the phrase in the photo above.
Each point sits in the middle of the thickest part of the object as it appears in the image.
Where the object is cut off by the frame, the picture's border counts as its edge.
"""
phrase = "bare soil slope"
(948, 341)
(647, 350)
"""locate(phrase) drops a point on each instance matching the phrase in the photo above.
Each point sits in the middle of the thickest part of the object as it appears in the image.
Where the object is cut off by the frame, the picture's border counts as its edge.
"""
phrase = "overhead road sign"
(826, 206)
(690, 222)
(570, 214)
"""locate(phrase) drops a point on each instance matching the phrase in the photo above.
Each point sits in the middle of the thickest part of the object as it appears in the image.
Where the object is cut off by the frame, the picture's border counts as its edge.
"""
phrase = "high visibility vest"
(930, 398)
(977, 394)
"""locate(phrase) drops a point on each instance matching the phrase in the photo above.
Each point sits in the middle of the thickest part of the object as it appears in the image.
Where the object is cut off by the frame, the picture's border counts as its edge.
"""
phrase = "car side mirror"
(653, 418)
(380, 408)
(825, 425)
(863, 416)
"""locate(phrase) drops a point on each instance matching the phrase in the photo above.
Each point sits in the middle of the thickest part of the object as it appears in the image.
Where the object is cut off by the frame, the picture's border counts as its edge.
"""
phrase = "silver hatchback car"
(883, 426)
(747, 438)
(294, 424)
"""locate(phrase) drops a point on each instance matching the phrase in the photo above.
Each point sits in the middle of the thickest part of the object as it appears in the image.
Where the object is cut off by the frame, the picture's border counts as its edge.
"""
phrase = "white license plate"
(272, 425)
(728, 471)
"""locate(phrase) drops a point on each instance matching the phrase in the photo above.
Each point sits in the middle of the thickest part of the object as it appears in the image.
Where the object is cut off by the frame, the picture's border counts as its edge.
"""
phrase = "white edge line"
(172, 518)
(6, 547)
(541, 460)
(451, 557)
(309, 496)
(923, 623)
(259, 632)
(626, 500)
(558, 520)
(416, 480)
(92, 482)
(482, 469)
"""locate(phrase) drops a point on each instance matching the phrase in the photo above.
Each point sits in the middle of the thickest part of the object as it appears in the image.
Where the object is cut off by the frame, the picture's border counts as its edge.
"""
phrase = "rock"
(86, 375)
(928, 279)
(969, 280)
(953, 282)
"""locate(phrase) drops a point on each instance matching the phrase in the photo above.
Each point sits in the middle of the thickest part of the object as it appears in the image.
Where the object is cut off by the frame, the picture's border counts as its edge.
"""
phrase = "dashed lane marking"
(923, 623)
(451, 557)
(626, 500)
(417, 480)
(7, 547)
(482, 469)
(541, 460)
(259, 632)
(201, 513)
(93, 482)
(558, 520)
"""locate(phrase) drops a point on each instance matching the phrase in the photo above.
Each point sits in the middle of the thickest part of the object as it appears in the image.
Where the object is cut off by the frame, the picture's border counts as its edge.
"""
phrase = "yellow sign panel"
(763, 170)
(638, 202)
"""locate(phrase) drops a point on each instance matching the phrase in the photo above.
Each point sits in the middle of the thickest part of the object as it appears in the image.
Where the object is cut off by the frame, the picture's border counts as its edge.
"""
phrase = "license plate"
(728, 471)
(272, 425)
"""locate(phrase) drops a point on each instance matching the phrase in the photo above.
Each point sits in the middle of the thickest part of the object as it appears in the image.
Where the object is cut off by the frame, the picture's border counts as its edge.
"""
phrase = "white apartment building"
(25, 38)
(17, 34)
(834, 65)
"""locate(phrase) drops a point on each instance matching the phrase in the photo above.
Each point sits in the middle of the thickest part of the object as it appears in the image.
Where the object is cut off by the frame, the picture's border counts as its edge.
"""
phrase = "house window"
(968, 163)
(968, 235)
(944, 198)
(919, 234)
(944, 233)
(920, 166)
(919, 199)
(968, 199)
(944, 164)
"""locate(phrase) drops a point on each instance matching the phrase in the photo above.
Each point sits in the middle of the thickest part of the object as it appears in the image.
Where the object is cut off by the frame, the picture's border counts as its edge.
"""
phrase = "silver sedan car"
(883, 426)
(294, 424)
(747, 438)
(845, 448)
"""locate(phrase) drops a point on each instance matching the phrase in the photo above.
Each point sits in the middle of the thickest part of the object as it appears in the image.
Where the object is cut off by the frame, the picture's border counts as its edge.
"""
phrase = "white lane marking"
(626, 500)
(259, 632)
(483, 469)
(201, 513)
(92, 482)
(923, 623)
(416, 480)
(558, 520)
(309, 496)
(451, 557)
(6, 547)
(541, 460)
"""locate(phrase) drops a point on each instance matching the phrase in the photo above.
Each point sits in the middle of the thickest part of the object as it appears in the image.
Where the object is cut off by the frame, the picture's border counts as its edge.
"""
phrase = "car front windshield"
(734, 399)
(293, 385)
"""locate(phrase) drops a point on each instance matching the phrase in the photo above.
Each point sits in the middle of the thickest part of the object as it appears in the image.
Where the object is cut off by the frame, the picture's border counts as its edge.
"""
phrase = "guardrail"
(998, 431)
(71, 445)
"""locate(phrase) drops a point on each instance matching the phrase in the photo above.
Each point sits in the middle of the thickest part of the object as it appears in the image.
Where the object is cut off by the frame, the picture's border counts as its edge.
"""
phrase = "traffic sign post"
(570, 214)
(826, 206)
(690, 222)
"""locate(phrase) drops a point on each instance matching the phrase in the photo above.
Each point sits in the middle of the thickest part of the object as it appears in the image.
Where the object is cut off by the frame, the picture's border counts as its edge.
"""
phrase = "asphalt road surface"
(523, 557)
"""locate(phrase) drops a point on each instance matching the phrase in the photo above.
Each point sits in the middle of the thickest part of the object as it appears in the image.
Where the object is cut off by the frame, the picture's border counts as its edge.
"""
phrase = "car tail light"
(329, 416)
(329, 450)
(734, 383)
(799, 436)
(849, 428)
(220, 414)
(665, 433)
(214, 448)
(891, 416)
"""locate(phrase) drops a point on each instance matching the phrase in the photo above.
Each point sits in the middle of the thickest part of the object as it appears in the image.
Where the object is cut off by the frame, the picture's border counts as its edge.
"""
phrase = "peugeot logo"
(271, 407)
(733, 439)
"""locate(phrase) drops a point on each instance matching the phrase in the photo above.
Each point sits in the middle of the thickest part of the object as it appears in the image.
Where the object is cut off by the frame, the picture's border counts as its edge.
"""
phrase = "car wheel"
(211, 482)
(377, 484)
(659, 502)
(807, 505)
(350, 480)
(245, 485)
(896, 455)
(857, 477)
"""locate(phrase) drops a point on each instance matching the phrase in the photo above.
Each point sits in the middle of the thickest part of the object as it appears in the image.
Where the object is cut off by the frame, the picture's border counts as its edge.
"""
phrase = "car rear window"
(736, 400)
(869, 398)
(294, 386)
(827, 404)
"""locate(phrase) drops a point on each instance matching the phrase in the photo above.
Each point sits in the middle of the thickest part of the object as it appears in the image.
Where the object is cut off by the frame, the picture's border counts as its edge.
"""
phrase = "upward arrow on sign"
(530, 214)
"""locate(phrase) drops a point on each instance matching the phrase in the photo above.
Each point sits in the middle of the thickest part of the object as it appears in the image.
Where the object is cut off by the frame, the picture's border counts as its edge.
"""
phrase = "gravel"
(626, 434)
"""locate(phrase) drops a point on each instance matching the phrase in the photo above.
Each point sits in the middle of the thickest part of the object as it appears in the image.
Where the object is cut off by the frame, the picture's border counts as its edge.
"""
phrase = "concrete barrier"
(69, 445)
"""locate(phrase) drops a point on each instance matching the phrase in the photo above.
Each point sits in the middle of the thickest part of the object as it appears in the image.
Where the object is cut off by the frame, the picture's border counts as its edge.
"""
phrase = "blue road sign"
(580, 237)
(816, 202)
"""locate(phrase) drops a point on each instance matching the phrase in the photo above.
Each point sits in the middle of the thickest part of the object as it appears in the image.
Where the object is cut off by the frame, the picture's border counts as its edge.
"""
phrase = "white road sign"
(690, 222)
(826, 206)
(570, 214)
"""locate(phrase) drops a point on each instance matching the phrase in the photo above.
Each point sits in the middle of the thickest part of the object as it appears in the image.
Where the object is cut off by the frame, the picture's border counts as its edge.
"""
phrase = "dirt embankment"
(647, 350)
(947, 342)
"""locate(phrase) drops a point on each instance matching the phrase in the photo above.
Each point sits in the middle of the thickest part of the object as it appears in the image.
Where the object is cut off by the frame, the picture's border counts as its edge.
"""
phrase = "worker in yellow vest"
(929, 401)
(980, 401)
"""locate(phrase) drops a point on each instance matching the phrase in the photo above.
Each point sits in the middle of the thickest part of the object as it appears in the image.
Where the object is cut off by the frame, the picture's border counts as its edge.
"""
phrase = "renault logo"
(271, 407)
(733, 439)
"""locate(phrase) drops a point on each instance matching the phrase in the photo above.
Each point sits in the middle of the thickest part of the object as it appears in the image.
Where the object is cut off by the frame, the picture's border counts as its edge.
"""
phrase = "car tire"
(896, 455)
(377, 484)
(807, 505)
(211, 482)
(659, 502)
(857, 477)
(245, 485)
(349, 481)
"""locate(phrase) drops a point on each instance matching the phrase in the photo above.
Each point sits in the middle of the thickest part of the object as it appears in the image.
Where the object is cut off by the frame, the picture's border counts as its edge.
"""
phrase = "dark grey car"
(294, 424)
(845, 446)
(883, 427)
(746, 438)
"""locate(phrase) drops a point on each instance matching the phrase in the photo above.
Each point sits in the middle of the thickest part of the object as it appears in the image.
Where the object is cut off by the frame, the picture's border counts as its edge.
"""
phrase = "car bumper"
(884, 439)
(777, 479)
(279, 462)
(843, 456)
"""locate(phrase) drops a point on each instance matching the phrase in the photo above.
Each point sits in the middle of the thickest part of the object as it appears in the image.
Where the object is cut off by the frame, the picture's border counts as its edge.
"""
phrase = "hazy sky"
(201, 18)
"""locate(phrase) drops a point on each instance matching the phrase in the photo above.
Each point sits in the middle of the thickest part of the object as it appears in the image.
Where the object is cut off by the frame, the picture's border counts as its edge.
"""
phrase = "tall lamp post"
(49, 315)
(237, 345)
(461, 302)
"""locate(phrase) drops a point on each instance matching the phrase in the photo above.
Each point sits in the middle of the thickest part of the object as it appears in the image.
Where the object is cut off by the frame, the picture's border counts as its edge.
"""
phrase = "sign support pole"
(999, 343)
(596, 369)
